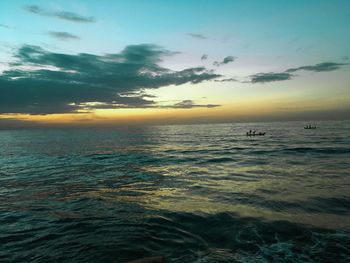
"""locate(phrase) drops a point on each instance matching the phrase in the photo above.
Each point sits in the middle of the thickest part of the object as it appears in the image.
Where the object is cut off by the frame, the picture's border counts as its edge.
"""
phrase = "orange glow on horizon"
(237, 110)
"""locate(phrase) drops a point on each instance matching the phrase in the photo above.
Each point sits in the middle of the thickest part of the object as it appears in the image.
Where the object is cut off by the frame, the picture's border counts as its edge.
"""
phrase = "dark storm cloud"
(70, 16)
(269, 77)
(226, 60)
(325, 66)
(63, 36)
(43, 82)
(197, 36)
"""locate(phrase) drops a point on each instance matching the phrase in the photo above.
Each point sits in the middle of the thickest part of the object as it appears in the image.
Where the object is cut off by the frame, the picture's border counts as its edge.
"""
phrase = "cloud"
(189, 104)
(43, 82)
(146, 104)
(269, 77)
(5, 26)
(139, 93)
(226, 60)
(226, 80)
(64, 36)
(197, 36)
(286, 75)
(69, 16)
(204, 57)
(325, 66)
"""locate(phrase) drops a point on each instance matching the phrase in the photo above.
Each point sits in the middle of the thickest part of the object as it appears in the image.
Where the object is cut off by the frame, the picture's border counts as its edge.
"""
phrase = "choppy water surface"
(196, 193)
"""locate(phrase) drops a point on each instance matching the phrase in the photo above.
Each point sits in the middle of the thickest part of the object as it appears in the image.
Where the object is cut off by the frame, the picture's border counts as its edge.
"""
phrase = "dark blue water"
(196, 193)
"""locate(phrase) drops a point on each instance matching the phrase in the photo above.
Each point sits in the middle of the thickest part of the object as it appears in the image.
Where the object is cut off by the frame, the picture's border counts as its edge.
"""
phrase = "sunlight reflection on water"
(156, 190)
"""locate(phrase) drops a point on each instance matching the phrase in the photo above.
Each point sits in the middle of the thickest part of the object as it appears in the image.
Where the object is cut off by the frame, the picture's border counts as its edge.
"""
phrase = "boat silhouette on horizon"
(250, 133)
(309, 127)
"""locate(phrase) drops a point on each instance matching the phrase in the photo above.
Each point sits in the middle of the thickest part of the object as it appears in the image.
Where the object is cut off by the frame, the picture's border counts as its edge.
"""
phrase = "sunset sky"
(106, 63)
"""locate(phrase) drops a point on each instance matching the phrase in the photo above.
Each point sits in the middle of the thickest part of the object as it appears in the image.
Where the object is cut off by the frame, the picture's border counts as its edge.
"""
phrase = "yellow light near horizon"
(235, 110)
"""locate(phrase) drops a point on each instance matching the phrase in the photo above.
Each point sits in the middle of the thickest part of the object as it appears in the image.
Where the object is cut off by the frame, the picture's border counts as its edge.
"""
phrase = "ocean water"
(192, 193)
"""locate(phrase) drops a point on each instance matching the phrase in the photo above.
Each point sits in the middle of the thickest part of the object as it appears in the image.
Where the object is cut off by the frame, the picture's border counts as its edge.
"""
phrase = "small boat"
(256, 134)
(309, 127)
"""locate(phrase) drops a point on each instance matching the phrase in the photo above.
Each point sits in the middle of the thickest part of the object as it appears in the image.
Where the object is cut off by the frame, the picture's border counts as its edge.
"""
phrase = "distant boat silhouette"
(255, 134)
(308, 127)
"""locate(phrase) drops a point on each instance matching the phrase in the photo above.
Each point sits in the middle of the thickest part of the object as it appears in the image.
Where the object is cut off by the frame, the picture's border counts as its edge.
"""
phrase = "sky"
(125, 62)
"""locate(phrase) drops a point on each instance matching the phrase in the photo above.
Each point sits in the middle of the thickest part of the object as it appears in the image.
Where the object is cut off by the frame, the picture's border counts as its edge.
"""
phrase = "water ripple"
(191, 193)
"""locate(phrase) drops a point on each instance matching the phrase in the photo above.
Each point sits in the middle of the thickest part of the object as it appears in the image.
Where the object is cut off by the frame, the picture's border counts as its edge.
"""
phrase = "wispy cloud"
(189, 104)
(69, 16)
(269, 77)
(65, 83)
(197, 36)
(185, 104)
(325, 66)
(225, 61)
(64, 36)
(226, 80)
(5, 26)
(286, 75)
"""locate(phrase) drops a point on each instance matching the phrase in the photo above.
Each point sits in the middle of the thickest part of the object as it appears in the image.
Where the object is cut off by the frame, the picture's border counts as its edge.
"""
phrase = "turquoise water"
(193, 193)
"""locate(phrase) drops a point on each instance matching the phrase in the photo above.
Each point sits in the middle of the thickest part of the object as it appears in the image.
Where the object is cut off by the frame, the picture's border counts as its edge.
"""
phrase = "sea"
(191, 193)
